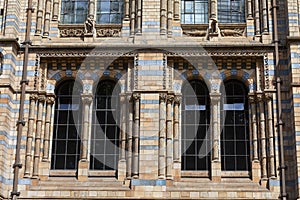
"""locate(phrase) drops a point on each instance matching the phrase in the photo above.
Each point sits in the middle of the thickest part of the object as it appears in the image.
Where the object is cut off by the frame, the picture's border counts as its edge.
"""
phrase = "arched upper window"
(109, 11)
(194, 11)
(235, 152)
(73, 11)
(67, 125)
(231, 11)
(195, 124)
(105, 129)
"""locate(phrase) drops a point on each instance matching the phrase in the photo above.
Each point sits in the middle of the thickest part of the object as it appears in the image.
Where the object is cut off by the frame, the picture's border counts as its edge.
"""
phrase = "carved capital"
(162, 97)
(252, 99)
(33, 97)
(177, 99)
(269, 96)
(136, 96)
(260, 97)
(41, 98)
(86, 98)
(215, 98)
(170, 99)
(50, 100)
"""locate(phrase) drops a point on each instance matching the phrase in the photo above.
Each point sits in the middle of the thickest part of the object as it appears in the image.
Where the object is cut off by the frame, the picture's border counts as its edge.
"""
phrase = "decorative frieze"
(80, 30)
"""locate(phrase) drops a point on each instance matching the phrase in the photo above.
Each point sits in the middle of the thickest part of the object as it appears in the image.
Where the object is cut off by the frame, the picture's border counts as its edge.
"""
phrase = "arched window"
(109, 11)
(194, 11)
(67, 125)
(195, 124)
(73, 11)
(235, 152)
(105, 130)
(231, 11)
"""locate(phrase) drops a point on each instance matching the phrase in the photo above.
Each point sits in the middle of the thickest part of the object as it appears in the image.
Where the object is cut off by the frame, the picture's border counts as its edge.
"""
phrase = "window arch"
(109, 11)
(235, 150)
(195, 124)
(231, 11)
(194, 11)
(105, 130)
(73, 11)
(67, 125)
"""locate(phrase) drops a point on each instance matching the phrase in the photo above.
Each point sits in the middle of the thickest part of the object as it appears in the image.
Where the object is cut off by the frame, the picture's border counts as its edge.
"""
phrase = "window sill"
(102, 173)
(63, 172)
(229, 174)
(194, 174)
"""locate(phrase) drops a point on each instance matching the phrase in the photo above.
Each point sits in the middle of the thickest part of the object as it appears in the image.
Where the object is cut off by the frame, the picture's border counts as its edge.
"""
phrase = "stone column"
(55, 10)
(256, 17)
(30, 133)
(176, 10)
(139, 17)
(135, 147)
(47, 18)
(122, 157)
(214, 9)
(162, 136)
(37, 147)
(39, 17)
(126, 10)
(256, 172)
(176, 135)
(263, 136)
(49, 104)
(129, 138)
(271, 137)
(265, 16)
(249, 9)
(163, 17)
(83, 164)
(170, 17)
(169, 145)
(215, 130)
(91, 8)
(132, 18)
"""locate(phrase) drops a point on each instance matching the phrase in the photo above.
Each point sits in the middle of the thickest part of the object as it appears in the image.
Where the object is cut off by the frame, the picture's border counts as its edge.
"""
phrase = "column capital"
(136, 96)
(252, 98)
(177, 99)
(33, 97)
(215, 97)
(269, 96)
(41, 98)
(87, 98)
(50, 100)
(260, 97)
(162, 97)
(170, 98)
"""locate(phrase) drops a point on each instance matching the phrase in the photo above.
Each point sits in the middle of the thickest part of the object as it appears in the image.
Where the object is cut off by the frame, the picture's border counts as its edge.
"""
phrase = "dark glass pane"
(71, 162)
(62, 132)
(61, 147)
(60, 162)
(72, 145)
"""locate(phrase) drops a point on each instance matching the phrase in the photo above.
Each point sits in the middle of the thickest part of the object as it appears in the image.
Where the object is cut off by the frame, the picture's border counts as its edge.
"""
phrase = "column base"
(83, 168)
(177, 171)
(121, 170)
(256, 172)
(216, 171)
(44, 170)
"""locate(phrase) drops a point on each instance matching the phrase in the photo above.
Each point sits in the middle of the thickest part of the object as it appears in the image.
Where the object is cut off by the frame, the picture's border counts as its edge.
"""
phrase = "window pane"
(73, 11)
(231, 11)
(194, 12)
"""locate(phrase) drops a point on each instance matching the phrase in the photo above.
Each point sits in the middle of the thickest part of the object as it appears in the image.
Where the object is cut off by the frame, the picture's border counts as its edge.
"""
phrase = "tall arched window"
(235, 152)
(73, 11)
(195, 124)
(109, 11)
(67, 125)
(231, 11)
(194, 11)
(105, 130)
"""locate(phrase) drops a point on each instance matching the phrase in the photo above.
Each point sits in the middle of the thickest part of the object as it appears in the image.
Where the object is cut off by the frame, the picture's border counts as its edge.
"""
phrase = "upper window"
(73, 11)
(235, 150)
(194, 11)
(195, 124)
(67, 125)
(231, 11)
(105, 130)
(109, 11)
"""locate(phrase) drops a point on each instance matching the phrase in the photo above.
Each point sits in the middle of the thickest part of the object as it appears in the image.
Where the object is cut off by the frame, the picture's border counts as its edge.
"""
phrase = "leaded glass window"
(194, 11)
(73, 11)
(231, 11)
(67, 126)
(195, 123)
(109, 11)
(105, 129)
(235, 150)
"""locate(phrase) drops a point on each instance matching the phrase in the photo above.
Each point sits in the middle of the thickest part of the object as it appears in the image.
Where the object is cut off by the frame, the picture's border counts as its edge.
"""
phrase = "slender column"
(91, 8)
(86, 102)
(271, 136)
(214, 9)
(170, 17)
(47, 18)
(162, 136)
(135, 166)
(176, 153)
(41, 100)
(249, 9)
(132, 18)
(129, 138)
(252, 101)
(263, 135)
(139, 16)
(55, 10)
(163, 17)
(169, 156)
(256, 17)
(215, 99)
(123, 127)
(265, 16)
(49, 104)
(176, 10)
(30, 132)
(126, 10)
(39, 18)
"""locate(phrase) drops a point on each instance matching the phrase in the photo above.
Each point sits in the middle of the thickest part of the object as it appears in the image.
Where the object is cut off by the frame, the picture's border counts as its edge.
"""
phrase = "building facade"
(190, 99)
